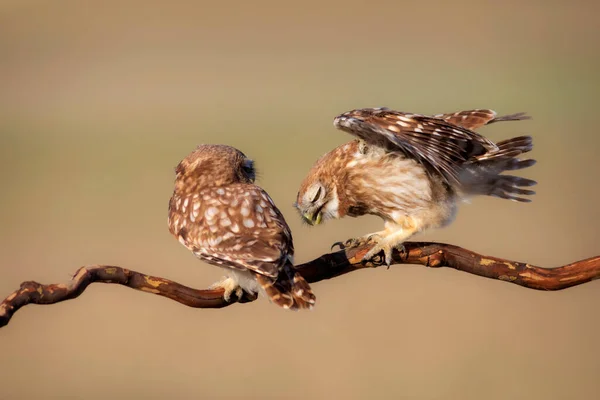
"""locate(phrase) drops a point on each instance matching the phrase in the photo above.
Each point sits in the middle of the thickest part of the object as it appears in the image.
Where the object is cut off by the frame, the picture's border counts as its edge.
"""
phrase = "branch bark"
(434, 255)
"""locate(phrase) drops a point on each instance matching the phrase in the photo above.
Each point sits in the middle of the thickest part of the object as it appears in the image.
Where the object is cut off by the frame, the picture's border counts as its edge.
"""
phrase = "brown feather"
(290, 290)
(475, 119)
(411, 170)
(218, 213)
(440, 145)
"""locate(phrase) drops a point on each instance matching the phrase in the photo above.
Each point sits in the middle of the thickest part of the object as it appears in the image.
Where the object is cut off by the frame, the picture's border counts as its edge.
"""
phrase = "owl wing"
(438, 144)
(475, 119)
(237, 226)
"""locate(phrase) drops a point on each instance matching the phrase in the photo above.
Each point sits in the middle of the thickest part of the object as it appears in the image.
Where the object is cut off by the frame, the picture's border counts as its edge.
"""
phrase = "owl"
(219, 214)
(412, 171)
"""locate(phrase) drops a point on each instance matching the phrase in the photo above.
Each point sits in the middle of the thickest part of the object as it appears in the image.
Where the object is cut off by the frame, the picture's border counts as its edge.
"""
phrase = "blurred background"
(99, 100)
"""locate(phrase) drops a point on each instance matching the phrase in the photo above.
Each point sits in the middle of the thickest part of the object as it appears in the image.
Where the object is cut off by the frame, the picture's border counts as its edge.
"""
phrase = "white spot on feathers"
(211, 212)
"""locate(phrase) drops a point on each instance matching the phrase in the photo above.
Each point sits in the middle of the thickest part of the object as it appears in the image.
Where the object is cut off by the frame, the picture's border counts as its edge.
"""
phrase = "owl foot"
(357, 242)
(379, 242)
(230, 286)
(387, 246)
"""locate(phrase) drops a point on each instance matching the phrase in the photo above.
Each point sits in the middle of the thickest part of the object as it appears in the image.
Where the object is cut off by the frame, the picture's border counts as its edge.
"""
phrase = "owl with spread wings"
(412, 171)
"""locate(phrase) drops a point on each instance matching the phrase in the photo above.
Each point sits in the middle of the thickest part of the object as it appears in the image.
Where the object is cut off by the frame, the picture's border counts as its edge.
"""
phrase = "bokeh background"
(99, 100)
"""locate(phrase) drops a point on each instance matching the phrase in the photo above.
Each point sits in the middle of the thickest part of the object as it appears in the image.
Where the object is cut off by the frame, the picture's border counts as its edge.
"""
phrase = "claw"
(350, 243)
(388, 251)
(338, 244)
(354, 242)
(357, 242)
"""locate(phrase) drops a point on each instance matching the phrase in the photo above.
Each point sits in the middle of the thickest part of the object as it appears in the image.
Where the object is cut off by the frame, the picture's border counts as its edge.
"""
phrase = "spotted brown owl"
(218, 213)
(412, 171)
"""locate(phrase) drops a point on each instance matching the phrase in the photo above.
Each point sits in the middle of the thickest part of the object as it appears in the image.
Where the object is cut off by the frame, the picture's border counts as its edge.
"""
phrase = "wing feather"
(438, 144)
(475, 119)
(237, 226)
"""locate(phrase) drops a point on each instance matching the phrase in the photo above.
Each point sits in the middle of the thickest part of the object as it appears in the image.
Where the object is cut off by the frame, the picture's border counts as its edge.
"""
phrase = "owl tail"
(483, 176)
(289, 290)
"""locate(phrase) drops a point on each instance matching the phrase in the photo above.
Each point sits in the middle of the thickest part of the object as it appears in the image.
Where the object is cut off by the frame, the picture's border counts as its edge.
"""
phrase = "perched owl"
(411, 170)
(218, 213)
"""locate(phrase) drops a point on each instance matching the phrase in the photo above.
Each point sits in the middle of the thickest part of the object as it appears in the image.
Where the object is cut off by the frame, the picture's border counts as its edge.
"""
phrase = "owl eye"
(248, 167)
(317, 195)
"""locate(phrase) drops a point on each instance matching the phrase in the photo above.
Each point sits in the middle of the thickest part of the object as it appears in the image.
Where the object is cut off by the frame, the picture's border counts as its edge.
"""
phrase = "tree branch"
(328, 266)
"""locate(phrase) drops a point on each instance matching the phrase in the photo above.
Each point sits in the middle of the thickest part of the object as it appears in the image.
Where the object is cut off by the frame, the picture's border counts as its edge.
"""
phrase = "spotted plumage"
(411, 170)
(219, 214)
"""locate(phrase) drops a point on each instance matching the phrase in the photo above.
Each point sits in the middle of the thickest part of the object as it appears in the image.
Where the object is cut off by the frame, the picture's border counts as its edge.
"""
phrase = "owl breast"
(387, 184)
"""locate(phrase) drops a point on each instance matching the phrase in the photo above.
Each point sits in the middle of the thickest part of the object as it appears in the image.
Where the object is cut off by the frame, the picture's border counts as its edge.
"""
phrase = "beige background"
(99, 100)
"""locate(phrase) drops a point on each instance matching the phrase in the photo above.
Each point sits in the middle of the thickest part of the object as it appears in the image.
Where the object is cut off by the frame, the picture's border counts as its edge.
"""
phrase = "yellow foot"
(230, 286)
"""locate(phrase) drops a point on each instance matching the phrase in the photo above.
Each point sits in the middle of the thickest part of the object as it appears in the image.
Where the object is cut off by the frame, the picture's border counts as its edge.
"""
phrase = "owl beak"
(311, 219)
(307, 217)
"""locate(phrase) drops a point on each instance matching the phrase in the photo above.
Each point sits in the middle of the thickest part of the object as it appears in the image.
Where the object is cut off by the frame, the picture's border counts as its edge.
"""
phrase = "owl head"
(216, 165)
(318, 199)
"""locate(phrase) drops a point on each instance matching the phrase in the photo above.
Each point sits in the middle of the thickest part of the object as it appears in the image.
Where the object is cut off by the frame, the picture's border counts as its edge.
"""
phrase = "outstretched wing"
(432, 141)
(475, 119)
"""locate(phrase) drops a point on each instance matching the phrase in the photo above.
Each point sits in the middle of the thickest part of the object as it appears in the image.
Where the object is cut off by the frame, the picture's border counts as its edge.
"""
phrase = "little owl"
(411, 170)
(218, 213)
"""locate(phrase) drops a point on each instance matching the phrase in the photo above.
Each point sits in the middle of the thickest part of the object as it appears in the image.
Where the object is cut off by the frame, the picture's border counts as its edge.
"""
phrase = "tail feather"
(521, 143)
(513, 164)
(509, 187)
(509, 148)
(289, 290)
(484, 175)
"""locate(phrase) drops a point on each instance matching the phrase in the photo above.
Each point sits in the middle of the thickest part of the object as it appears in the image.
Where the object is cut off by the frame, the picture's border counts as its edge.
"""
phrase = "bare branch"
(328, 266)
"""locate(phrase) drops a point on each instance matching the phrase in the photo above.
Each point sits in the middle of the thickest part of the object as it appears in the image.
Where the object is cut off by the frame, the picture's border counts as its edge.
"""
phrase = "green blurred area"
(99, 101)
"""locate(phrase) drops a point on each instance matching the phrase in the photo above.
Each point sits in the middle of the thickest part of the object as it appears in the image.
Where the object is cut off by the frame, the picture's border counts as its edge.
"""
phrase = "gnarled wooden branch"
(325, 267)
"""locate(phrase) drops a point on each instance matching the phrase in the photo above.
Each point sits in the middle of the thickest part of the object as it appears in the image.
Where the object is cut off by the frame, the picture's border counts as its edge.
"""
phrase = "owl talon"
(360, 241)
(341, 245)
(230, 286)
(388, 251)
(351, 243)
